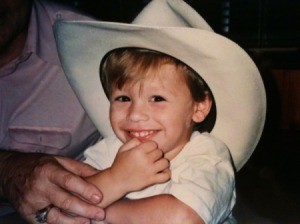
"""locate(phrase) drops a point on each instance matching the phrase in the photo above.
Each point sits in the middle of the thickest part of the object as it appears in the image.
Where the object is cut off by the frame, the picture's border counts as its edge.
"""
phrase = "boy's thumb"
(129, 145)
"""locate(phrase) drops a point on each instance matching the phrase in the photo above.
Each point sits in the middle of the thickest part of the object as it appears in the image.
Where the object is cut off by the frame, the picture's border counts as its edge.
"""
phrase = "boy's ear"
(201, 110)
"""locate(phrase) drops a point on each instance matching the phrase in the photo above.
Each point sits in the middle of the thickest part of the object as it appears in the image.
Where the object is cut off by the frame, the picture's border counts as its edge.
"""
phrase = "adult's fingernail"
(96, 198)
(99, 216)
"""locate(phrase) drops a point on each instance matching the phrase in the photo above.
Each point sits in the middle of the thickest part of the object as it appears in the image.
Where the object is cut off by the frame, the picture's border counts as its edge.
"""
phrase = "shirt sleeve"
(204, 179)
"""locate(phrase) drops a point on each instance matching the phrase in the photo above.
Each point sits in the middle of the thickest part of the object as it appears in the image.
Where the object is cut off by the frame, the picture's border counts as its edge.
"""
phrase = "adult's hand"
(33, 181)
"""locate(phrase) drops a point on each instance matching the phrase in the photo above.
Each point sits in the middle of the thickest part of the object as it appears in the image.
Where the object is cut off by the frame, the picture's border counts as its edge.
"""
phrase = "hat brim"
(227, 69)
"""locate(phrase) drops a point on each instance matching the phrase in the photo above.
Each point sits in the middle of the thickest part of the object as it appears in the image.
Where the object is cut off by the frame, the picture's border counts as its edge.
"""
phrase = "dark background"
(251, 23)
(268, 27)
(268, 186)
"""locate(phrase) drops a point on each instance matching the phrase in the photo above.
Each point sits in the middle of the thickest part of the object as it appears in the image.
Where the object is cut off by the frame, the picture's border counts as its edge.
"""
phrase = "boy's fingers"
(163, 176)
(156, 154)
(136, 143)
(148, 146)
(162, 165)
(132, 143)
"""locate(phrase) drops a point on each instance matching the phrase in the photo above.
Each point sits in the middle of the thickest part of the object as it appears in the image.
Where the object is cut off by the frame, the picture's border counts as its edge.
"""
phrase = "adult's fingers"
(31, 182)
(79, 168)
(56, 216)
(74, 205)
(67, 191)
(74, 183)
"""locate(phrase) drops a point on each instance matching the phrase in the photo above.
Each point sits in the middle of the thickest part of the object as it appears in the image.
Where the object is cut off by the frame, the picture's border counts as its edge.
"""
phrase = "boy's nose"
(138, 112)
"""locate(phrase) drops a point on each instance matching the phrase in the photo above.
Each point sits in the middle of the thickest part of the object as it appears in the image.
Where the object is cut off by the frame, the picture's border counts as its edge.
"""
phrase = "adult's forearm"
(7, 169)
(157, 209)
(15, 170)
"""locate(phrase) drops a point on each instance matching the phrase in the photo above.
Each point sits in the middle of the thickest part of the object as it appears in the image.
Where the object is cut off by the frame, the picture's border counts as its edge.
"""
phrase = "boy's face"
(159, 108)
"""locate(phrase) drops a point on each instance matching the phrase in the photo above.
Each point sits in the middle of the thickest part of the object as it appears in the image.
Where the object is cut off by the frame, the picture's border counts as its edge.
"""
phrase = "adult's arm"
(32, 181)
(157, 209)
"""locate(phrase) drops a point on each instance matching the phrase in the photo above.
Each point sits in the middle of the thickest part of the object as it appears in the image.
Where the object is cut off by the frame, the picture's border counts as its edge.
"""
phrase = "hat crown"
(170, 13)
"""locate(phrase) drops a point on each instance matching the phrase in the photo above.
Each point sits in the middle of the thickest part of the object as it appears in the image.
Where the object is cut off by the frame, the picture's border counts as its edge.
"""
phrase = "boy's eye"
(122, 99)
(157, 99)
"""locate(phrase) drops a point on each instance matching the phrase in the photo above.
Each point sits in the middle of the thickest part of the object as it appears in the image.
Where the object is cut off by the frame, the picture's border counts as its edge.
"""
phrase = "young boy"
(155, 97)
(154, 114)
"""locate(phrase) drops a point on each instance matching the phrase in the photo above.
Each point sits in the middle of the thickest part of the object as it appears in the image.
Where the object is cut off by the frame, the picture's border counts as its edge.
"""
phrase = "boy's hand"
(139, 165)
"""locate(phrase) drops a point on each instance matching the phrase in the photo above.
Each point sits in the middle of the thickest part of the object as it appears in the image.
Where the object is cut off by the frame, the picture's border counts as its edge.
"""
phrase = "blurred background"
(268, 186)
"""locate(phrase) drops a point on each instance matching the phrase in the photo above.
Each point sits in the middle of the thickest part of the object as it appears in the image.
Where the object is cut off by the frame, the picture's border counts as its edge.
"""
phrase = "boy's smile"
(142, 135)
(159, 108)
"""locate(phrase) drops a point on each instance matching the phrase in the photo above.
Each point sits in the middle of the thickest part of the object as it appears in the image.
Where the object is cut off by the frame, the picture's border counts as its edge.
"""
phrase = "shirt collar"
(40, 38)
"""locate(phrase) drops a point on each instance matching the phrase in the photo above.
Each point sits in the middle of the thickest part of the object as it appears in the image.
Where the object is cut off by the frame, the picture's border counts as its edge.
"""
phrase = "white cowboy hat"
(174, 28)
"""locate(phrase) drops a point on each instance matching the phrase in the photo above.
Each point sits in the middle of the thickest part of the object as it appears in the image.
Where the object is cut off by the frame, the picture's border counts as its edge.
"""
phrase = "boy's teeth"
(142, 133)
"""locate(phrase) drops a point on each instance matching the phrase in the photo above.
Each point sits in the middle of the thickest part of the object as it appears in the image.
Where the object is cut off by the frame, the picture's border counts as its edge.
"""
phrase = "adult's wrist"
(15, 168)
(5, 157)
